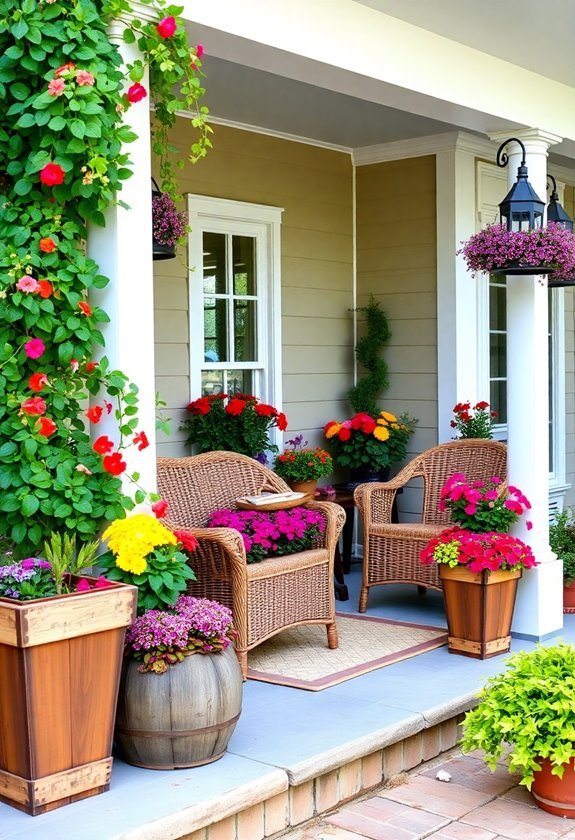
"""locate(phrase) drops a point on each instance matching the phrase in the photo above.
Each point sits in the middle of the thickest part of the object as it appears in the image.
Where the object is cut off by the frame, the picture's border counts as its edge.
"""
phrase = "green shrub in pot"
(562, 542)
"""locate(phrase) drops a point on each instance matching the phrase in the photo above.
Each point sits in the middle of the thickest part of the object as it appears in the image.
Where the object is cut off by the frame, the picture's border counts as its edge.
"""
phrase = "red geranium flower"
(94, 413)
(85, 308)
(114, 464)
(344, 433)
(200, 406)
(282, 422)
(136, 92)
(37, 381)
(47, 245)
(160, 508)
(166, 27)
(46, 426)
(188, 540)
(235, 407)
(52, 174)
(102, 445)
(90, 366)
(34, 406)
(45, 288)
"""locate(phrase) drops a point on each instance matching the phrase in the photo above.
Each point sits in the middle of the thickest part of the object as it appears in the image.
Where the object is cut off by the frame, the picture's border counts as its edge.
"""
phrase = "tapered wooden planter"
(479, 609)
(182, 718)
(60, 665)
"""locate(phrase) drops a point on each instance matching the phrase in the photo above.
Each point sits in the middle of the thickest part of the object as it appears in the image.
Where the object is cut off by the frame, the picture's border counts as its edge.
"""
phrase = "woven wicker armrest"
(374, 500)
(221, 552)
(334, 516)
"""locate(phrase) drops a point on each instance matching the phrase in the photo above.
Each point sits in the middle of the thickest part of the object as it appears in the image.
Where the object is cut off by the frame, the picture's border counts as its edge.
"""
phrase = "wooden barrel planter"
(479, 609)
(182, 718)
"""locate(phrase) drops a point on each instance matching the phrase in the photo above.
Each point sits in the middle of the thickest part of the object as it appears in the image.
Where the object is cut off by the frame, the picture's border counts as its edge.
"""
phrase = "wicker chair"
(265, 597)
(391, 550)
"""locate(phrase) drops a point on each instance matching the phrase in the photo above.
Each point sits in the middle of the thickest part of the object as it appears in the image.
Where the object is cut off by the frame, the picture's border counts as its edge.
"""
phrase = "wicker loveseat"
(266, 597)
(391, 550)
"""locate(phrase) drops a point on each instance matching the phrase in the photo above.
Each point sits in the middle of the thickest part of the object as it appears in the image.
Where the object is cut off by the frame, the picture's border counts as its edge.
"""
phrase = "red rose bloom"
(52, 174)
(34, 406)
(46, 426)
(114, 464)
(136, 92)
(188, 540)
(235, 407)
(45, 288)
(141, 440)
(94, 413)
(37, 381)
(47, 245)
(160, 508)
(102, 445)
(166, 27)
(201, 406)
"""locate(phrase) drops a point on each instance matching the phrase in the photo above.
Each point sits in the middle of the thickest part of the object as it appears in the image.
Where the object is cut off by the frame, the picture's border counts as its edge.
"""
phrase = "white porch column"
(456, 291)
(123, 250)
(539, 607)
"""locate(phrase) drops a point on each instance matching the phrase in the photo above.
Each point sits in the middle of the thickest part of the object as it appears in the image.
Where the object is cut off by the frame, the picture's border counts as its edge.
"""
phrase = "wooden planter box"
(479, 609)
(60, 665)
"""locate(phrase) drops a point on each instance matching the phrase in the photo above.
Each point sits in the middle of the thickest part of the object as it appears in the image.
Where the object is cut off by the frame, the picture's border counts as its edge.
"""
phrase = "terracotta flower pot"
(569, 597)
(552, 794)
(60, 665)
(479, 609)
(307, 487)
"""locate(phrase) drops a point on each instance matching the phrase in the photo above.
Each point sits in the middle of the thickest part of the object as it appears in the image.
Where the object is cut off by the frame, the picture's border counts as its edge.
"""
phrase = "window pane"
(498, 355)
(212, 382)
(498, 399)
(214, 263)
(215, 330)
(245, 330)
(497, 308)
(243, 256)
(239, 381)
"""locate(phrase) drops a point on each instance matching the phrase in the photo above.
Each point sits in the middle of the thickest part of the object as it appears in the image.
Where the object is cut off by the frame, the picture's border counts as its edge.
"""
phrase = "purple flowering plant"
(495, 247)
(169, 225)
(27, 579)
(160, 638)
(268, 533)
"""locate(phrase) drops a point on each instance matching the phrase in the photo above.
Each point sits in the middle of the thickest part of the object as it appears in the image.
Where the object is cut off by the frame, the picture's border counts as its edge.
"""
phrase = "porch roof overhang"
(390, 68)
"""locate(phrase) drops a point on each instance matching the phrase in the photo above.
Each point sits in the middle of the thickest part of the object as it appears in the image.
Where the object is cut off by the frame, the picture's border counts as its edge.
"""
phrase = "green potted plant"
(562, 542)
(528, 712)
(239, 423)
(61, 643)
(368, 445)
(301, 467)
(363, 395)
(185, 706)
(479, 564)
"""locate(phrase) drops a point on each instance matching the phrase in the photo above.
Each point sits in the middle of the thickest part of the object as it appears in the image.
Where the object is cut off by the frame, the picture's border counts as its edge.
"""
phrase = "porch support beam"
(539, 607)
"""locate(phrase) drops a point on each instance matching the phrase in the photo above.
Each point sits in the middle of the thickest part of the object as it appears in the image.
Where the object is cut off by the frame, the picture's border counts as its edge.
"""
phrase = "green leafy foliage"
(64, 150)
(562, 541)
(363, 396)
(531, 707)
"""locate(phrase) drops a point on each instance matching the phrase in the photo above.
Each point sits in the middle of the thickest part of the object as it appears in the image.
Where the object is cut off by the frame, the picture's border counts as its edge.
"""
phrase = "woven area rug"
(300, 657)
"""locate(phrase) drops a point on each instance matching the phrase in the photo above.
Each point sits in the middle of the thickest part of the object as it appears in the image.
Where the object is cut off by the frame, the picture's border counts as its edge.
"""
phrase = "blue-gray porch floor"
(283, 730)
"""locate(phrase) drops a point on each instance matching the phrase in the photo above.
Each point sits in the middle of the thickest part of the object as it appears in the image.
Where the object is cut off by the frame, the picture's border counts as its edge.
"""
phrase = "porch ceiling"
(255, 85)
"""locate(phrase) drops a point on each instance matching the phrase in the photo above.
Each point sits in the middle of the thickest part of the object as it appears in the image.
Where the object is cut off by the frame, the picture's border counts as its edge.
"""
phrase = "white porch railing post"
(539, 607)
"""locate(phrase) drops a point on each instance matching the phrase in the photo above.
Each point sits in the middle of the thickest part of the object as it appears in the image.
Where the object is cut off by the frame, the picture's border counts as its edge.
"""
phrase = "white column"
(539, 608)
(456, 291)
(123, 250)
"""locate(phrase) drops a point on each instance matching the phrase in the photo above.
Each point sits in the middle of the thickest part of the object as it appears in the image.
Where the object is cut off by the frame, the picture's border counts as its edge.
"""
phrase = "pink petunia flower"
(34, 348)
(27, 284)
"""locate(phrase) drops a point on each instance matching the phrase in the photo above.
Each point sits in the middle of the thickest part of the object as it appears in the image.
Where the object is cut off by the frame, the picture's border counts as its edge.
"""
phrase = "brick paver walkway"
(475, 805)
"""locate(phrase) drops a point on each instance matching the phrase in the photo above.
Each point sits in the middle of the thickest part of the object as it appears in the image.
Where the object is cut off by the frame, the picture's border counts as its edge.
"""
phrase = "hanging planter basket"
(167, 220)
(515, 269)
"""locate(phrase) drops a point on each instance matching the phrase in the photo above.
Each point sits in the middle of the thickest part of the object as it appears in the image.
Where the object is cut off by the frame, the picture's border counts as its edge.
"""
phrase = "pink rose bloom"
(27, 284)
(84, 78)
(199, 50)
(166, 27)
(56, 87)
(34, 348)
(136, 92)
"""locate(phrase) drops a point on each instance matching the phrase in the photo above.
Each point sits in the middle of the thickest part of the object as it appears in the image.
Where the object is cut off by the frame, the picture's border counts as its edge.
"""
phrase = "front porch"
(294, 754)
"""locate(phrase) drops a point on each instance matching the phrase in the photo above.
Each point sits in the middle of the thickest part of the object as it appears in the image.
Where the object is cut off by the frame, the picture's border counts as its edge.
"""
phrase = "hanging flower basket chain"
(496, 250)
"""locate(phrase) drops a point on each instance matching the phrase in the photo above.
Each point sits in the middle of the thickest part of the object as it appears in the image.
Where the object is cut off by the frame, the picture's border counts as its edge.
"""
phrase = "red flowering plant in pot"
(301, 466)
(473, 421)
(480, 563)
(239, 423)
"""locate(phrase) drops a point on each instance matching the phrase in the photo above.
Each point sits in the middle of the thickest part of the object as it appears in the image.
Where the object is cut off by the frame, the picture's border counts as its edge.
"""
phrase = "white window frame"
(241, 218)
(490, 182)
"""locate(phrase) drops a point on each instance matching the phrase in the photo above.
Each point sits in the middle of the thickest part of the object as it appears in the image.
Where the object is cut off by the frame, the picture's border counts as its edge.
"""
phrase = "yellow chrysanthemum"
(387, 415)
(381, 433)
(132, 539)
(333, 430)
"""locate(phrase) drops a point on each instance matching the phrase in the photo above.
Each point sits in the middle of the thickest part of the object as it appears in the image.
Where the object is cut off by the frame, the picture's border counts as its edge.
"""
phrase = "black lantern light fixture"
(521, 209)
(555, 211)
